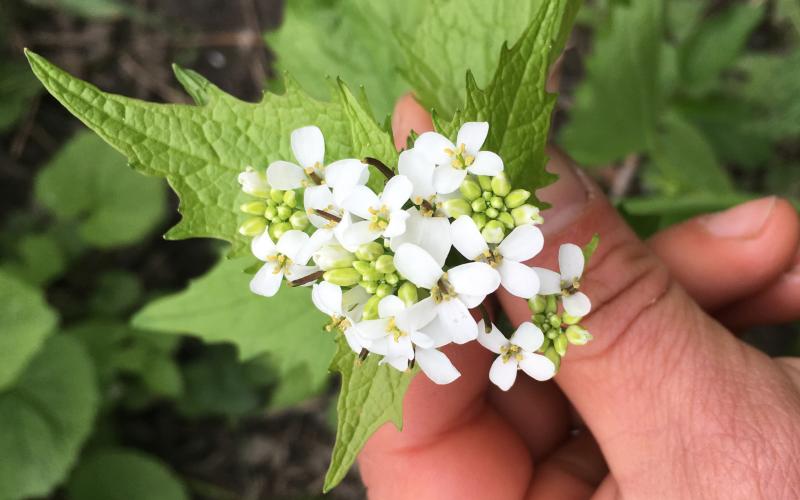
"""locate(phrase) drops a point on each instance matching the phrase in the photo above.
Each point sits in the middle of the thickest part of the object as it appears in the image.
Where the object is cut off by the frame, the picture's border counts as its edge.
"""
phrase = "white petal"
(549, 281)
(438, 332)
(266, 281)
(433, 146)
(430, 233)
(523, 243)
(396, 192)
(291, 242)
(284, 175)
(419, 172)
(390, 306)
(360, 200)
(341, 228)
(471, 300)
(262, 246)
(417, 266)
(400, 348)
(570, 262)
(327, 297)
(418, 315)
(577, 304)
(486, 163)
(467, 238)
(474, 278)
(472, 135)
(399, 363)
(318, 238)
(319, 198)
(503, 373)
(295, 272)
(397, 224)
(353, 340)
(421, 340)
(457, 320)
(537, 366)
(358, 234)
(372, 328)
(377, 346)
(353, 302)
(519, 279)
(528, 336)
(343, 175)
(447, 179)
(436, 366)
(308, 146)
(493, 340)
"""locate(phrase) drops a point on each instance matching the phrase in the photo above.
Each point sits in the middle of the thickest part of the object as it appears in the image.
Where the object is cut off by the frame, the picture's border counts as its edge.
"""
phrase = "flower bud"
(371, 308)
(552, 304)
(539, 320)
(492, 212)
(346, 276)
(284, 212)
(253, 226)
(478, 205)
(333, 257)
(545, 345)
(276, 195)
(392, 278)
(526, 214)
(254, 182)
(253, 208)
(506, 219)
(517, 197)
(497, 202)
(479, 220)
(385, 264)
(570, 320)
(486, 182)
(271, 213)
(372, 275)
(470, 189)
(493, 232)
(369, 286)
(369, 251)
(290, 198)
(456, 208)
(277, 230)
(383, 290)
(553, 356)
(554, 320)
(500, 184)
(578, 335)
(560, 345)
(362, 266)
(299, 220)
(537, 303)
(487, 195)
(408, 293)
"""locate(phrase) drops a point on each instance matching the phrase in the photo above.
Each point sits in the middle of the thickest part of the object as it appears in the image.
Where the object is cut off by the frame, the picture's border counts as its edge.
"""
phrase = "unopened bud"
(253, 226)
(372, 275)
(408, 293)
(470, 189)
(526, 214)
(479, 220)
(578, 335)
(346, 276)
(362, 266)
(253, 208)
(369, 251)
(517, 197)
(290, 198)
(554, 320)
(277, 230)
(383, 290)
(371, 308)
(553, 356)
(552, 304)
(369, 286)
(392, 278)
(497, 202)
(486, 182)
(271, 213)
(299, 220)
(500, 184)
(570, 320)
(333, 257)
(385, 264)
(456, 207)
(493, 232)
(492, 212)
(506, 219)
(478, 205)
(276, 195)
(537, 304)
(284, 212)
(560, 344)
(254, 182)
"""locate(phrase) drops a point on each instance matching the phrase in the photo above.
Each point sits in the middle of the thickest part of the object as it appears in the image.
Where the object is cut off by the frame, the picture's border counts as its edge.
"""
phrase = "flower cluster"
(397, 271)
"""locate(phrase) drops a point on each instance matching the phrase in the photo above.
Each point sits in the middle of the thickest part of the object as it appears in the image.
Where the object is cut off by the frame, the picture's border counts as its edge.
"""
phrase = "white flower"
(308, 147)
(288, 258)
(523, 243)
(325, 213)
(397, 336)
(453, 161)
(453, 292)
(517, 352)
(254, 182)
(344, 310)
(570, 263)
(414, 165)
(430, 233)
(383, 216)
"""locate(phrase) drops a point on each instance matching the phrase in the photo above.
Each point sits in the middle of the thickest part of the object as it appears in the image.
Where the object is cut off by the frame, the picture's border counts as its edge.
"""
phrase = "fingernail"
(743, 221)
(568, 195)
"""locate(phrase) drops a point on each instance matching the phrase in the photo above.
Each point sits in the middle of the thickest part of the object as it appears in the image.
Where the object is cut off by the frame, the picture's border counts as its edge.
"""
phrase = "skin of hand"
(665, 402)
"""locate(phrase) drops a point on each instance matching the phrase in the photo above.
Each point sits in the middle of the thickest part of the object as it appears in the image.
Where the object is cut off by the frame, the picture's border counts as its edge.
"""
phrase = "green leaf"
(789, 10)
(39, 259)
(618, 103)
(119, 474)
(90, 183)
(17, 88)
(589, 248)
(370, 396)
(772, 84)
(25, 322)
(115, 293)
(44, 419)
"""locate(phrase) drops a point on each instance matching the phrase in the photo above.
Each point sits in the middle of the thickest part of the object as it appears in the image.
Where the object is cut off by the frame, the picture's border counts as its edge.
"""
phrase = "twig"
(623, 177)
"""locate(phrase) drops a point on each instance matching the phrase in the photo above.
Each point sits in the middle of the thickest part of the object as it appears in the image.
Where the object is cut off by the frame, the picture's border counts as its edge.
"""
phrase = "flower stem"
(487, 321)
(307, 279)
(380, 166)
(327, 215)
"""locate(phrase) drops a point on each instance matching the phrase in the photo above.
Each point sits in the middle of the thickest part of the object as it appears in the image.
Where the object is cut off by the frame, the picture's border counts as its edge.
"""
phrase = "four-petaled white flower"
(397, 336)
(453, 292)
(454, 161)
(430, 233)
(286, 258)
(383, 216)
(414, 165)
(344, 309)
(254, 182)
(325, 213)
(570, 263)
(517, 352)
(308, 146)
(523, 243)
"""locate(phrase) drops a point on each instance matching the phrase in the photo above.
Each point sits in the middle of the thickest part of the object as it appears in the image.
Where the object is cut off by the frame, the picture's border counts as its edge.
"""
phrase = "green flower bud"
(284, 212)
(506, 219)
(470, 189)
(480, 220)
(478, 205)
(408, 293)
(578, 335)
(539, 320)
(384, 290)
(362, 266)
(486, 182)
(553, 356)
(487, 195)
(517, 197)
(373, 275)
(493, 232)
(276, 195)
(290, 198)
(253, 208)
(271, 213)
(385, 264)
(570, 320)
(554, 320)
(369, 251)
(560, 345)
(500, 184)
(497, 202)
(392, 278)
(369, 286)
(371, 308)
(333, 257)
(457, 207)
(253, 226)
(537, 303)
(526, 214)
(552, 304)
(345, 276)
(492, 212)
(277, 230)
(546, 344)
(299, 220)
(552, 334)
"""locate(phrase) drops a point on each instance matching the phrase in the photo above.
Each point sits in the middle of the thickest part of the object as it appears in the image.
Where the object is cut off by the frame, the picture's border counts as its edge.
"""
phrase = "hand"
(667, 402)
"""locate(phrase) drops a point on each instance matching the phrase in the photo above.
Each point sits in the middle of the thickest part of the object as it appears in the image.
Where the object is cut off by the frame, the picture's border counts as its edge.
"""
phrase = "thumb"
(665, 389)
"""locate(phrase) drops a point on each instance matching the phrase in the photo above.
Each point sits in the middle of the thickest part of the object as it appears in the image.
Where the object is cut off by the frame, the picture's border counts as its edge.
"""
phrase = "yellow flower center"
(394, 331)
(491, 257)
(570, 287)
(510, 351)
(337, 323)
(282, 262)
(380, 218)
(443, 290)
(458, 159)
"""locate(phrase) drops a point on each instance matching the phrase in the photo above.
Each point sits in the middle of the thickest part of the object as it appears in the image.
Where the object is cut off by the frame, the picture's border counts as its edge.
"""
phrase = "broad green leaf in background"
(789, 10)
(683, 16)
(89, 183)
(17, 88)
(772, 84)
(120, 474)
(38, 259)
(44, 419)
(617, 105)
(25, 322)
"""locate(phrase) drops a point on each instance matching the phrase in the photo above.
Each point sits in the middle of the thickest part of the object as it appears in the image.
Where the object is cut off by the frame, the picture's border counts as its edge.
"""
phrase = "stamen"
(312, 174)
(363, 354)
(427, 206)
(307, 279)
(386, 171)
(327, 215)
